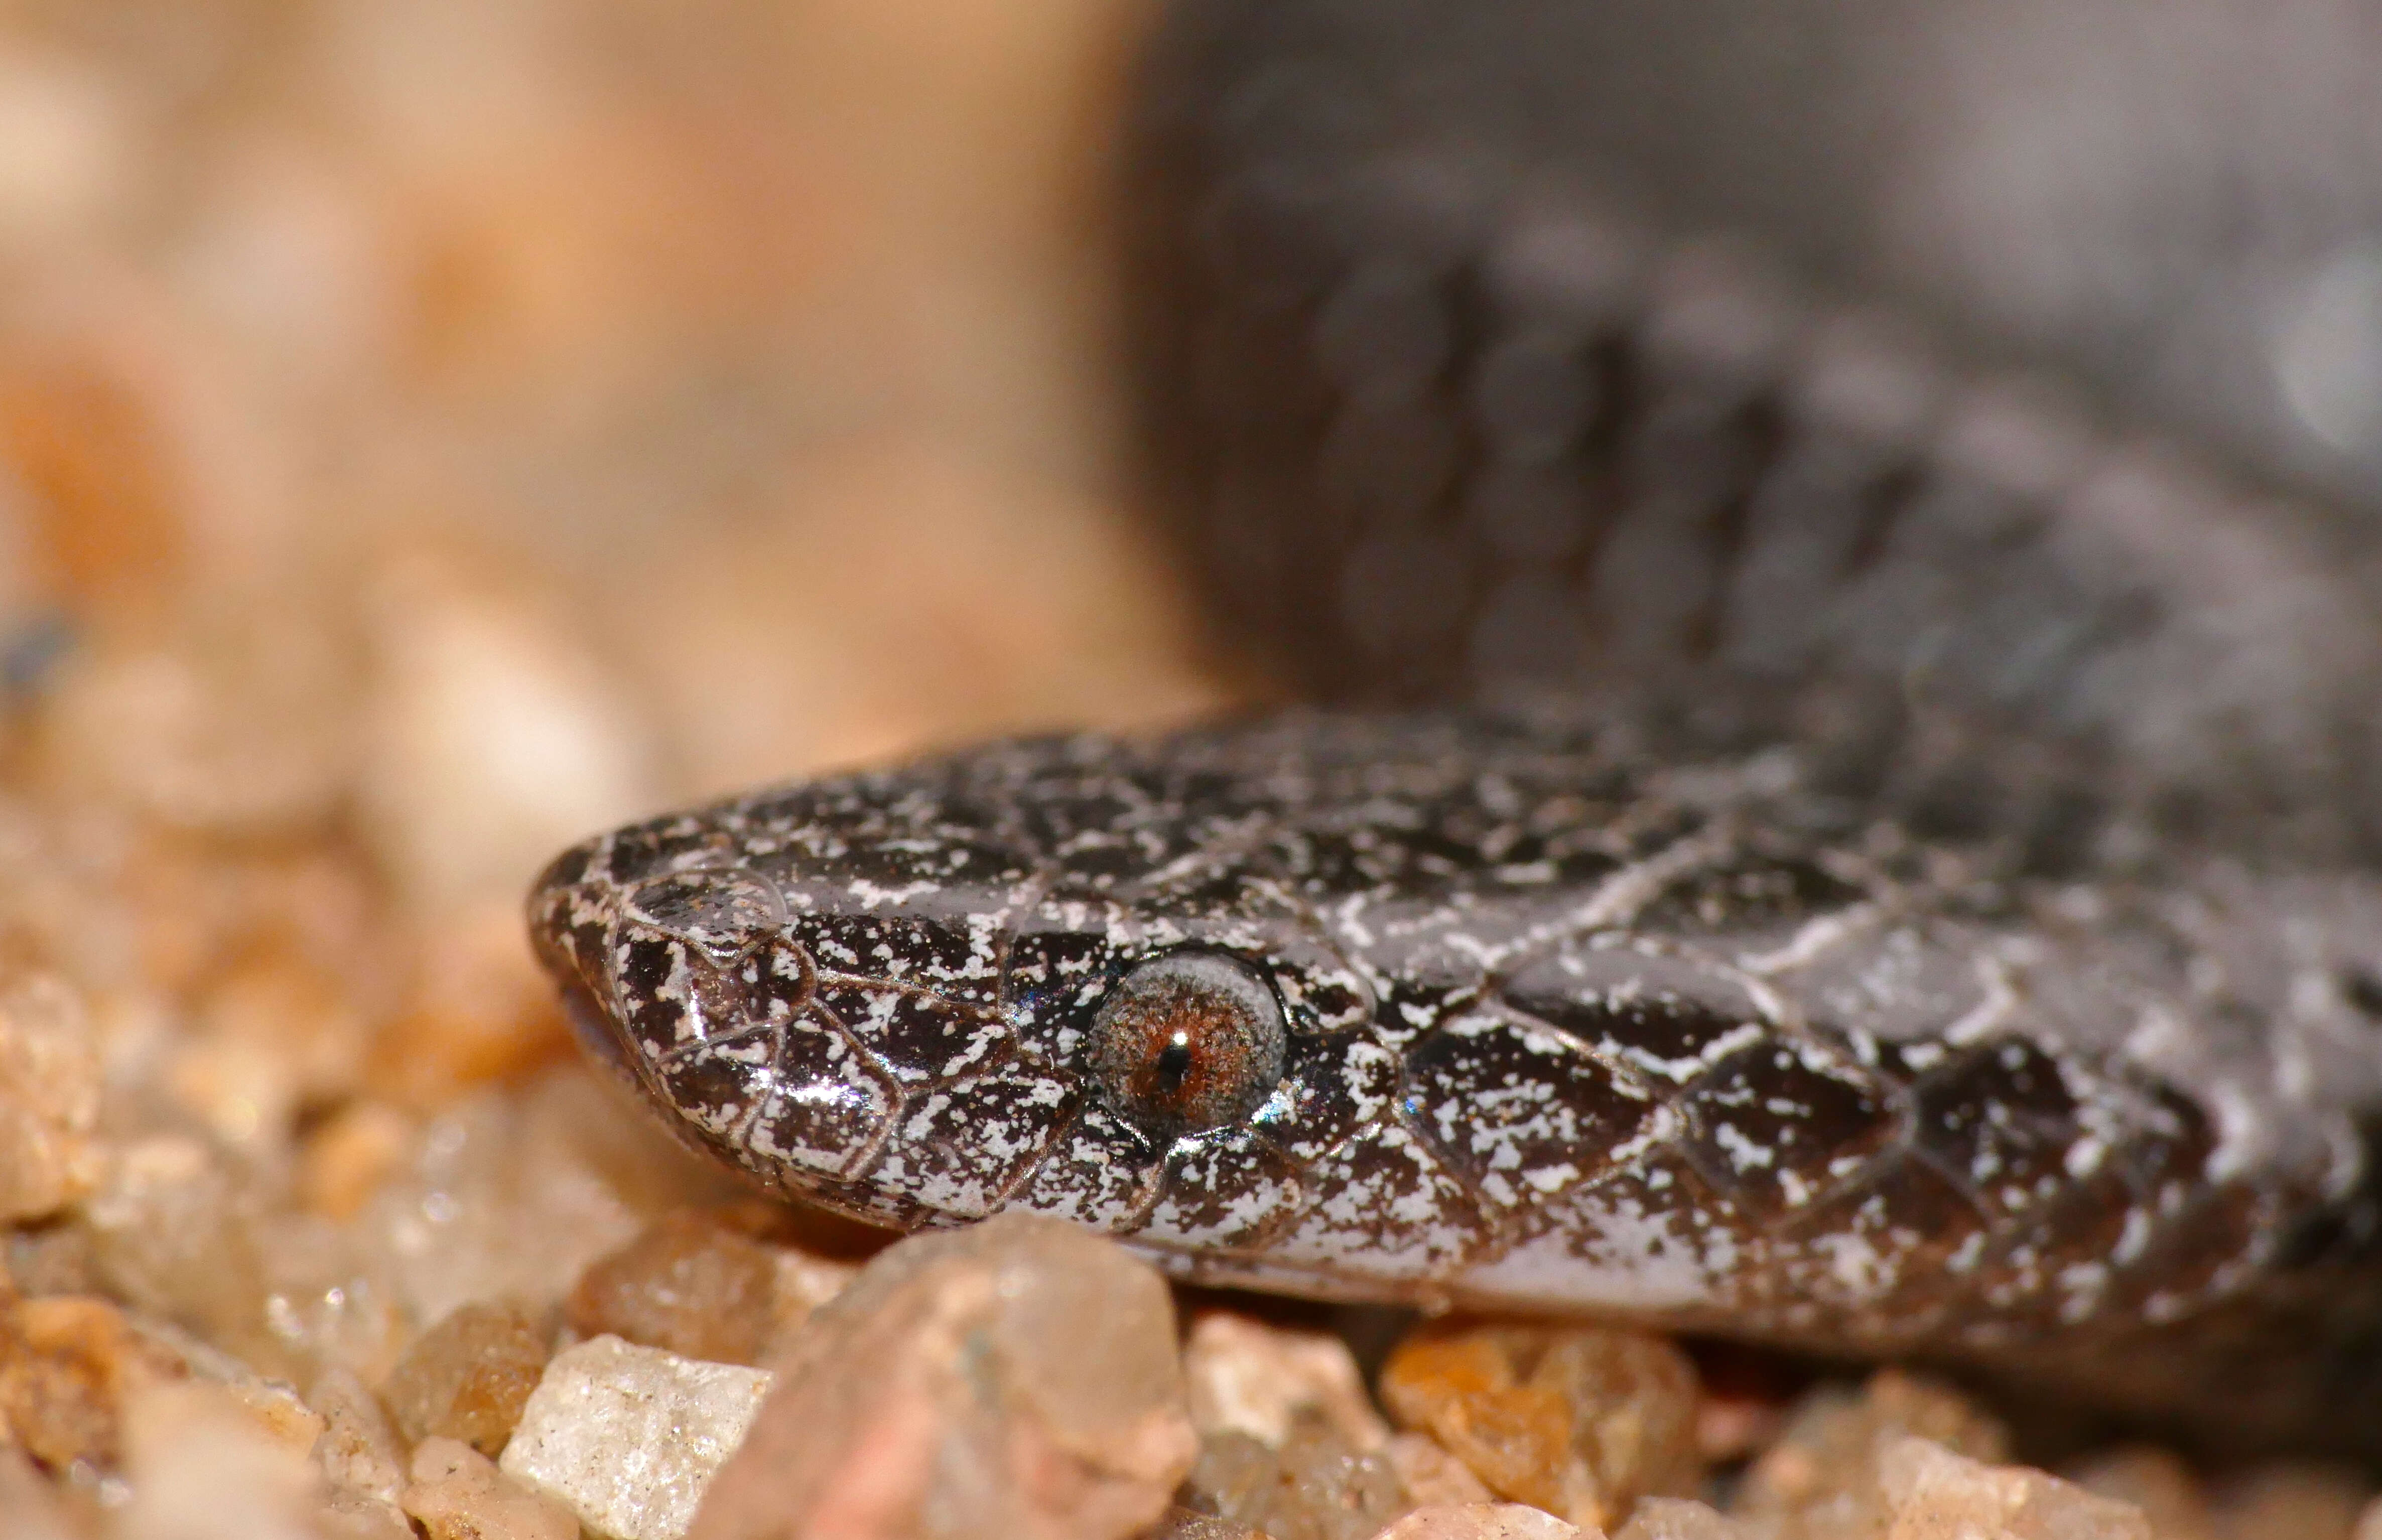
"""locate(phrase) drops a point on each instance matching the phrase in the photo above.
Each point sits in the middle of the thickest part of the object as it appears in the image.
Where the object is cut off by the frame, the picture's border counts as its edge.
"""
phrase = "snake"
(1815, 807)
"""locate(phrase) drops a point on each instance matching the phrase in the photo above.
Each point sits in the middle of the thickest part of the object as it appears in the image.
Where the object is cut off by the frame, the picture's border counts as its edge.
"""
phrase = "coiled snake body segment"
(1901, 882)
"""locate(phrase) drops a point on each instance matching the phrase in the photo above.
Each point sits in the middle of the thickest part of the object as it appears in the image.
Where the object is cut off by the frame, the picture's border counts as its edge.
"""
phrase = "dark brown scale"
(1998, 1123)
(1900, 1207)
(1778, 1125)
(1518, 1113)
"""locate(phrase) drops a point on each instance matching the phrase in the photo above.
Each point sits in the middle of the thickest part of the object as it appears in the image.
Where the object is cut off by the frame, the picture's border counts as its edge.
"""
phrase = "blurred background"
(691, 323)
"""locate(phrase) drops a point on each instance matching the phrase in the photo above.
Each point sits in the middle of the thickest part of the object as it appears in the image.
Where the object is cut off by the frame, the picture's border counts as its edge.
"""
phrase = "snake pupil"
(1174, 1063)
(1187, 1041)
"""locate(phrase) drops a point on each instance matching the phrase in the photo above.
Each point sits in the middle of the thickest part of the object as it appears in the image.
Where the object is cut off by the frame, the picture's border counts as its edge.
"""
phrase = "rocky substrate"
(636, 1367)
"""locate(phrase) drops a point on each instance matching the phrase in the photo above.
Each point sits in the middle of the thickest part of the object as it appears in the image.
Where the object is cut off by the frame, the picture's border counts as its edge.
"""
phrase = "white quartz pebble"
(1245, 1376)
(1483, 1521)
(626, 1437)
(457, 1494)
(1935, 1494)
(1678, 1519)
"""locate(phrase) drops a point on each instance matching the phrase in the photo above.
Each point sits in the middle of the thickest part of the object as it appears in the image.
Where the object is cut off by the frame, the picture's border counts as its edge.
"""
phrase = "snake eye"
(1186, 1042)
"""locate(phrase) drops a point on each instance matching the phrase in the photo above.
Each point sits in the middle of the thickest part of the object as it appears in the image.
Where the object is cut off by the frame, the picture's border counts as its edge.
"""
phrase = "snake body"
(1897, 877)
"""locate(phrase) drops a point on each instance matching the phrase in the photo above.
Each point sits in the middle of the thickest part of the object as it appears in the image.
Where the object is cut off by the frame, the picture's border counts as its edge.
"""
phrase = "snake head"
(1023, 977)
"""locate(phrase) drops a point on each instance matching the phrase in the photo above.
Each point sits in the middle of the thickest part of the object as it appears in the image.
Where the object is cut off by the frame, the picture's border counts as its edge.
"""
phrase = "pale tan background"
(433, 431)
(759, 348)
